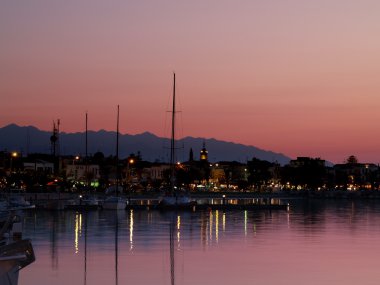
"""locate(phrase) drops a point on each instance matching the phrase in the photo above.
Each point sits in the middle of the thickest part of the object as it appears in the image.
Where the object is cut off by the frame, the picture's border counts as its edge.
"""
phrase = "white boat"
(13, 199)
(114, 190)
(89, 200)
(176, 200)
(15, 253)
(15, 203)
(18, 202)
(114, 203)
(84, 202)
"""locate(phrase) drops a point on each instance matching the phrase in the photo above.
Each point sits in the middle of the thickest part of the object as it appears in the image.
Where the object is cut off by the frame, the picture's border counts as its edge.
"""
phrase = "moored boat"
(114, 203)
(173, 198)
(84, 202)
(15, 252)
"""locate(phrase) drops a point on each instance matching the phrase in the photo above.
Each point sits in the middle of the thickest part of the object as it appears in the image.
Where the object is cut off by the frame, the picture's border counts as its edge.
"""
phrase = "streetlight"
(130, 162)
(75, 167)
(14, 155)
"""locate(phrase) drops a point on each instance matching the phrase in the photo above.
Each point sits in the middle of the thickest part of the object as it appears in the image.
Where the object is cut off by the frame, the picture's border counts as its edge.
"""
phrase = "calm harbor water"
(319, 242)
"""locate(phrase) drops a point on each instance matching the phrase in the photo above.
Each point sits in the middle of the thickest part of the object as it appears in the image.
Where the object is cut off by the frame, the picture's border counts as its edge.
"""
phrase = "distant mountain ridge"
(152, 148)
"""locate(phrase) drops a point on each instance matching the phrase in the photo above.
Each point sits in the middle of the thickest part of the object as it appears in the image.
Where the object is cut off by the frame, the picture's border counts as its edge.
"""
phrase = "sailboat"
(174, 198)
(87, 201)
(115, 202)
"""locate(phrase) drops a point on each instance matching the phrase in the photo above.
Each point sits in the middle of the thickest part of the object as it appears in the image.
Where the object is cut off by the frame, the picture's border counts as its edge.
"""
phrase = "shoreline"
(326, 194)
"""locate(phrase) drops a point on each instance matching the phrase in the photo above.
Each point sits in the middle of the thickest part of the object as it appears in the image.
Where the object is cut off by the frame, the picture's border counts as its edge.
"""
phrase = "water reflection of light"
(178, 231)
(288, 217)
(80, 224)
(131, 230)
(245, 222)
(224, 222)
(77, 231)
(211, 223)
(216, 226)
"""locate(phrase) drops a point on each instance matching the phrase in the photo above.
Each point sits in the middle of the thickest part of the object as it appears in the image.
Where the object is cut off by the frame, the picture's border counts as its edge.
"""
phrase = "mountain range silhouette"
(29, 139)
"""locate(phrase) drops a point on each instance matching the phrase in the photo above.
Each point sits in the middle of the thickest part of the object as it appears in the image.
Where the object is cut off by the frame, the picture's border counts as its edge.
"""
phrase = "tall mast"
(172, 144)
(86, 135)
(86, 157)
(117, 152)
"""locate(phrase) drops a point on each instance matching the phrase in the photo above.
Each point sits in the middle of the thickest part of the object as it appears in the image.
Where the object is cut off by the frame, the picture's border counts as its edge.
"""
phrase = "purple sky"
(297, 77)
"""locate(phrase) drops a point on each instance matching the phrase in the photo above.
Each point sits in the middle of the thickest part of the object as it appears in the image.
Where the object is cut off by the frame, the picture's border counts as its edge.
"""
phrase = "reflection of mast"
(85, 248)
(172, 267)
(54, 248)
(116, 247)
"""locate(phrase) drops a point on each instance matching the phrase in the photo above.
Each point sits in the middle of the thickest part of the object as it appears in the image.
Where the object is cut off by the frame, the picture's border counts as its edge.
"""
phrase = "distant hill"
(152, 148)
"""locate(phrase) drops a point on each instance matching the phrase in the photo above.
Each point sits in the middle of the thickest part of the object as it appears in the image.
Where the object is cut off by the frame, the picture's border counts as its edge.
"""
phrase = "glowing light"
(224, 222)
(77, 231)
(217, 226)
(131, 230)
(245, 222)
(211, 224)
(178, 231)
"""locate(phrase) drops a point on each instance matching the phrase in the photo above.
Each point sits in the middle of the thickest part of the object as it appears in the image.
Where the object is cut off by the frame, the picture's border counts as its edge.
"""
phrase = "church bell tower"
(204, 153)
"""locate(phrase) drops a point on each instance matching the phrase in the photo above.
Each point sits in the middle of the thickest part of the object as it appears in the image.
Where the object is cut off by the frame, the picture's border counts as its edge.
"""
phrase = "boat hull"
(13, 257)
(114, 203)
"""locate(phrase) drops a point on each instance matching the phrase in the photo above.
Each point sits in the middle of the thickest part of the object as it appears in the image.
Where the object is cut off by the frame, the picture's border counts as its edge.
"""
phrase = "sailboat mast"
(86, 135)
(172, 144)
(86, 158)
(117, 152)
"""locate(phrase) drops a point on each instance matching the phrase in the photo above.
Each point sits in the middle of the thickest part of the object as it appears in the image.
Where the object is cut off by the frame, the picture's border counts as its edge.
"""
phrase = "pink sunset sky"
(297, 77)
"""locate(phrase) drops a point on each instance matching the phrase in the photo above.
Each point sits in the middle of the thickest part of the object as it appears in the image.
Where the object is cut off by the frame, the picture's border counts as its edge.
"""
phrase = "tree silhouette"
(352, 159)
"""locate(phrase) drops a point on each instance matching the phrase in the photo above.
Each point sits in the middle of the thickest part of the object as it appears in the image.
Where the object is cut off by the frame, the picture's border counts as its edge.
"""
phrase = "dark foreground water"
(325, 242)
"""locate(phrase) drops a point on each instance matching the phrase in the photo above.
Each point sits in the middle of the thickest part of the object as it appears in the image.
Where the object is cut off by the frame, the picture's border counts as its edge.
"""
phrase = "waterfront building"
(307, 161)
(39, 166)
(157, 172)
(355, 176)
(82, 172)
